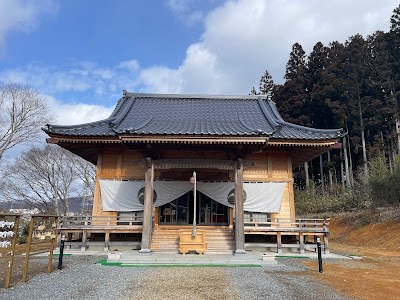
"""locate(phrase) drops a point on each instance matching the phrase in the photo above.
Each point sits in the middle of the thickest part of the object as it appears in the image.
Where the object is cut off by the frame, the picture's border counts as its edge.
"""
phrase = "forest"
(353, 85)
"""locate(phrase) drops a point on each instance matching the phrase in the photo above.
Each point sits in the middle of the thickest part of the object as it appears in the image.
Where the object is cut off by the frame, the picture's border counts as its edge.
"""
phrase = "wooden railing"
(99, 221)
(285, 224)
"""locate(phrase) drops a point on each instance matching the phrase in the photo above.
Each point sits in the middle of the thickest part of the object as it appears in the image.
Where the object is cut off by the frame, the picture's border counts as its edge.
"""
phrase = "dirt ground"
(376, 275)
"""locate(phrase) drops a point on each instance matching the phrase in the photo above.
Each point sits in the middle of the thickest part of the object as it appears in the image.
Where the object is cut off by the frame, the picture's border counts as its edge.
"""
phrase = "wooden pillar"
(279, 242)
(230, 217)
(239, 213)
(156, 216)
(148, 206)
(326, 249)
(28, 250)
(84, 238)
(53, 241)
(107, 240)
(11, 262)
(301, 241)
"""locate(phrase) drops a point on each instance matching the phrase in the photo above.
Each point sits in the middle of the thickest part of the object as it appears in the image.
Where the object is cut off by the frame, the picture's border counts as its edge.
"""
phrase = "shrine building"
(240, 148)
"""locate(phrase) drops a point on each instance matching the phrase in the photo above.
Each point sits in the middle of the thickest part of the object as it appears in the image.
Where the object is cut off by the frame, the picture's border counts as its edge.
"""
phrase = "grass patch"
(122, 265)
(288, 256)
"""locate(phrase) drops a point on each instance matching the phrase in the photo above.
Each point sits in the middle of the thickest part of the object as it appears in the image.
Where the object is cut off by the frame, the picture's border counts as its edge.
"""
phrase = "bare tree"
(46, 177)
(22, 113)
(86, 173)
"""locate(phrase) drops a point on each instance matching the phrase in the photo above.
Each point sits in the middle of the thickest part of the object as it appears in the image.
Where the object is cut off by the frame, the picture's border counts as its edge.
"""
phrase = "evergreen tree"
(395, 20)
(253, 91)
(292, 97)
(267, 84)
(316, 82)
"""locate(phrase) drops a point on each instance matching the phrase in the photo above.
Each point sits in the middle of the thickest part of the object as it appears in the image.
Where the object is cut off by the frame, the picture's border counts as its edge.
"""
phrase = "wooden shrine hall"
(240, 149)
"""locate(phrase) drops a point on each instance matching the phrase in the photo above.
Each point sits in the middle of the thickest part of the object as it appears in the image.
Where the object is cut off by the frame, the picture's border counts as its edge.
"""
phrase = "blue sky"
(82, 54)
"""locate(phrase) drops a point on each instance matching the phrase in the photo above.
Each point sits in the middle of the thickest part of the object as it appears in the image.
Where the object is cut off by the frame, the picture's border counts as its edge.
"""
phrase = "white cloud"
(185, 11)
(77, 113)
(243, 38)
(130, 65)
(22, 15)
(240, 40)
(80, 77)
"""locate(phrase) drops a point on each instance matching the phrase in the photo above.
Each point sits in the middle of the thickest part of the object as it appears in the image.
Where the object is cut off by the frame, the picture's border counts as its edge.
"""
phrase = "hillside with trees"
(353, 85)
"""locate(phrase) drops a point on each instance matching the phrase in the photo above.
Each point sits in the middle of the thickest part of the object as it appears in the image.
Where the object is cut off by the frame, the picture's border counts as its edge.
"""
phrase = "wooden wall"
(269, 166)
(115, 164)
(275, 167)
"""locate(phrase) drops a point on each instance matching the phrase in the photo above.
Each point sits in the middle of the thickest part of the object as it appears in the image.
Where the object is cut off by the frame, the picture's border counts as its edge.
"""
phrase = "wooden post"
(306, 174)
(148, 206)
(53, 241)
(326, 249)
(28, 249)
(11, 262)
(156, 216)
(321, 170)
(279, 242)
(239, 213)
(84, 238)
(230, 217)
(107, 240)
(301, 240)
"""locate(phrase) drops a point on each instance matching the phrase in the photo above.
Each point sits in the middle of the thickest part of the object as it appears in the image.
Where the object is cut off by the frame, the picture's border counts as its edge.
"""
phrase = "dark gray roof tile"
(144, 114)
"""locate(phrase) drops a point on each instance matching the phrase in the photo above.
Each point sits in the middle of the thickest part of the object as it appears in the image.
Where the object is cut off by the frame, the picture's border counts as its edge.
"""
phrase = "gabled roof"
(194, 115)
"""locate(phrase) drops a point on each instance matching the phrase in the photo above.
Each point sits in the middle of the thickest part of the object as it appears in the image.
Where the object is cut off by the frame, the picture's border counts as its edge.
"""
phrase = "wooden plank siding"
(269, 166)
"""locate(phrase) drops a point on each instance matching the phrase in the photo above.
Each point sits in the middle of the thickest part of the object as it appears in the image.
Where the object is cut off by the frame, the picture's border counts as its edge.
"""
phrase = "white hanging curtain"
(124, 195)
(218, 191)
(120, 195)
(168, 191)
(263, 197)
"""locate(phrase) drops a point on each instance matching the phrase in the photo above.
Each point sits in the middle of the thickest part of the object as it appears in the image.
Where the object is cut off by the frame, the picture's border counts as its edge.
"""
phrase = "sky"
(82, 54)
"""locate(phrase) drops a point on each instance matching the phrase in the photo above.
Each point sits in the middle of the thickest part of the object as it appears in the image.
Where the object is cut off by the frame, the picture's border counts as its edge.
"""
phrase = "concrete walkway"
(252, 257)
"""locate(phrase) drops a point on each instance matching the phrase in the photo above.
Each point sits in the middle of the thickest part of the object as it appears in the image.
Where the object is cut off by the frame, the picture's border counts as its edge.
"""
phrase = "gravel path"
(81, 278)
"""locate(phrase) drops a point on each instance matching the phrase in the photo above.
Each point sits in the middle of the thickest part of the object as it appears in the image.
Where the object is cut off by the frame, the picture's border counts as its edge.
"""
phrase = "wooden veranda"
(304, 232)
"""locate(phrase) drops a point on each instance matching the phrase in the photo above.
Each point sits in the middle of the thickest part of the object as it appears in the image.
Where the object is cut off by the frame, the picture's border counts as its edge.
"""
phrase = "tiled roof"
(188, 115)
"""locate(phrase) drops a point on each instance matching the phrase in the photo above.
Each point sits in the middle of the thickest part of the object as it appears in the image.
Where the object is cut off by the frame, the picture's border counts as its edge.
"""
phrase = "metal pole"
(319, 255)
(60, 258)
(194, 204)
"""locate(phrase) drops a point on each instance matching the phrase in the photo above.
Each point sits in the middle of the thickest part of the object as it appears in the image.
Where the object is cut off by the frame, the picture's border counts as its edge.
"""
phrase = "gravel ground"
(81, 278)
(286, 281)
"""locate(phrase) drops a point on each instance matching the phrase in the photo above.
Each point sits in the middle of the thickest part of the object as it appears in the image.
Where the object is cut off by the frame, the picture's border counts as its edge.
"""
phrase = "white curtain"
(124, 195)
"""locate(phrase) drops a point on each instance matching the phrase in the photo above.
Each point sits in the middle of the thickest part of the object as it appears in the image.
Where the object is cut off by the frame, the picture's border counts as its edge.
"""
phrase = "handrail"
(286, 222)
(100, 220)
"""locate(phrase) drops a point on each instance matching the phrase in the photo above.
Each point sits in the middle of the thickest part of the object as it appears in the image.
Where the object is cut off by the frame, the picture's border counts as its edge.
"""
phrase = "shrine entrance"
(180, 211)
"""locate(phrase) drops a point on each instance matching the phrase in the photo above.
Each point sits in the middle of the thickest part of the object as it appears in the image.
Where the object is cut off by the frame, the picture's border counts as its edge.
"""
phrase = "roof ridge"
(124, 111)
(184, 96)
(268, 116)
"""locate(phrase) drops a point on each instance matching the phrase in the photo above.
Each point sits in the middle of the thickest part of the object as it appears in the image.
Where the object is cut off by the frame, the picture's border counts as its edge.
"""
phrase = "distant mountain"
(76, 205)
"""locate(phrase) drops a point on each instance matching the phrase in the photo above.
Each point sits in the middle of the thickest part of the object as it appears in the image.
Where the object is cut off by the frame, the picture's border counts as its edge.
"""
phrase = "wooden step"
(219, 239)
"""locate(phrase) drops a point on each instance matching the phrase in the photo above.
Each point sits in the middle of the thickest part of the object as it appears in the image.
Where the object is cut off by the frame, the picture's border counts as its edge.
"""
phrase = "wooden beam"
(166, 164)
(239, 214)
(148, 206)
